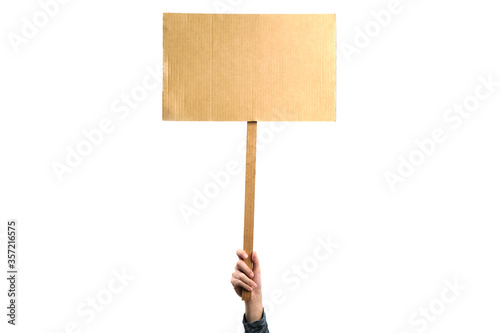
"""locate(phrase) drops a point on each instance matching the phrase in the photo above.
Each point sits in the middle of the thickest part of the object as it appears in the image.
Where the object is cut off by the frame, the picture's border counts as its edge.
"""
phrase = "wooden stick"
(249, 198)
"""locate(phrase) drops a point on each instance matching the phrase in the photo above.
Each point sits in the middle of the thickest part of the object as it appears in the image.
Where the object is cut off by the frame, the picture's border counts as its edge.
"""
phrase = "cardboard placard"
(249, 67)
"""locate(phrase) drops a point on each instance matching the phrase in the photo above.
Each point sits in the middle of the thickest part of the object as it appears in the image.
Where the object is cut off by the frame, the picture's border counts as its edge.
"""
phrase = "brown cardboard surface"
(249, 67)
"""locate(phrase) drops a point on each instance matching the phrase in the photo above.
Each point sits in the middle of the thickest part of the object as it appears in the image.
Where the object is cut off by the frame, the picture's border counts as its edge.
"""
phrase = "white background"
(119, 208)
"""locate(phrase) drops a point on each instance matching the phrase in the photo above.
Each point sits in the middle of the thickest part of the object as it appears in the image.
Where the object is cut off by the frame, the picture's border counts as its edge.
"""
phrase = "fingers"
(241, 254)
(240, 279)
(238, 284)
(243, 267)
(255, 260)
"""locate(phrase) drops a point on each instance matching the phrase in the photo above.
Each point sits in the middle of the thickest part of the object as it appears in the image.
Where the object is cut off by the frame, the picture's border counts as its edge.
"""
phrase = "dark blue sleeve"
(259, 326)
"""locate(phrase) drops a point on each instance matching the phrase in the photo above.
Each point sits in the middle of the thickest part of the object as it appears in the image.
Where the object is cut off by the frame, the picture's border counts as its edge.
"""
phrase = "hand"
(245, 278)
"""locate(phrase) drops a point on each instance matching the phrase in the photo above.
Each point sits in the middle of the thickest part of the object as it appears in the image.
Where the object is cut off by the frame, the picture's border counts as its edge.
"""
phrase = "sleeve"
(259, 326)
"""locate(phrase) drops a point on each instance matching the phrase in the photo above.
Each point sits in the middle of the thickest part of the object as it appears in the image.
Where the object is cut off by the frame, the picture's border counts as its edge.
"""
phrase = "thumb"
(255, 260)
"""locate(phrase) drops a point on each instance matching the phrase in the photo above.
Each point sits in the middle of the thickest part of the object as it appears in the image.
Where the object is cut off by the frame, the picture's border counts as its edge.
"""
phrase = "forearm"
(253, 307)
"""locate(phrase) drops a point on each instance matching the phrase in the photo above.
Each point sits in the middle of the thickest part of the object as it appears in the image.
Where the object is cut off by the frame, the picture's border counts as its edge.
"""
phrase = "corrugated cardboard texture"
(249, 67)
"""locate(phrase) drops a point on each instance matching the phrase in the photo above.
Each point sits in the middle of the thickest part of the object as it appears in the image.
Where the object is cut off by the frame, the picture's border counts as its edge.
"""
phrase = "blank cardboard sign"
(249, 67)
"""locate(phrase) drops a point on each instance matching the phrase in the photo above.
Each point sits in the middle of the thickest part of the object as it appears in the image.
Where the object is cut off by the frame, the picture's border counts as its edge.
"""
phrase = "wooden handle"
(249, 197)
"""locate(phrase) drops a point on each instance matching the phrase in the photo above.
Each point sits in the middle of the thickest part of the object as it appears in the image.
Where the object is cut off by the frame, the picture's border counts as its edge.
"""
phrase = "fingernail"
(255, 285)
